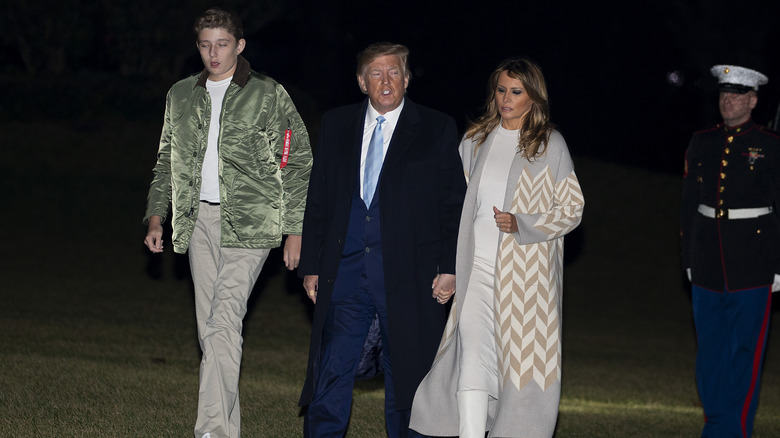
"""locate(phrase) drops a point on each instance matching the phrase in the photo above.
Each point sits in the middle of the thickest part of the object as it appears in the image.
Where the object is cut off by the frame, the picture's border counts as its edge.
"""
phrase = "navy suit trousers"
(358, 297)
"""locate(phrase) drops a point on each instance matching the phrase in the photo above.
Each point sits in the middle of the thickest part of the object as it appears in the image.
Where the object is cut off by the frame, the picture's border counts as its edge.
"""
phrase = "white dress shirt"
(388, 127)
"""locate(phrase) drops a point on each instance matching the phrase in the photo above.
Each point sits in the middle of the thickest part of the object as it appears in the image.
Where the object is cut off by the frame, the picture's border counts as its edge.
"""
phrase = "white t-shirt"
(209, 187)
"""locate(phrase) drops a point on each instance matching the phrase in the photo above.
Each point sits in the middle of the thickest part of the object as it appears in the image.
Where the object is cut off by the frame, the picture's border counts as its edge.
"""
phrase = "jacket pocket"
(254, 210)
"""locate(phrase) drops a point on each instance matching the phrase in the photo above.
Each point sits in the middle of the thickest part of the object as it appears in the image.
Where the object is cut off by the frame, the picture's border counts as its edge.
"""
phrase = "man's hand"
(292, 251)
(153, 239)
(310, 284)
(443, 287)
(506, 222)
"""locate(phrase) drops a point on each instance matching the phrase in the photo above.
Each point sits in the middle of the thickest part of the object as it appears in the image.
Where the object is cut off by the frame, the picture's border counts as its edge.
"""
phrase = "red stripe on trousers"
(756, 362)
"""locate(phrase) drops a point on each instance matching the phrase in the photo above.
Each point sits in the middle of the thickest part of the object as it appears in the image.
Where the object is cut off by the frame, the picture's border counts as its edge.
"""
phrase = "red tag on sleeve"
(286, 150)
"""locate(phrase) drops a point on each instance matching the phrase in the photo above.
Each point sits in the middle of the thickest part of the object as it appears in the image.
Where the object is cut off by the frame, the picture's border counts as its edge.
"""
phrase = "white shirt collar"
(391, 117)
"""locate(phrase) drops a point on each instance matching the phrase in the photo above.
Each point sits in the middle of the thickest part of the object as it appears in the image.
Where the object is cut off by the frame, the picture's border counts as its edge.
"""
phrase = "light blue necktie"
(373, 162)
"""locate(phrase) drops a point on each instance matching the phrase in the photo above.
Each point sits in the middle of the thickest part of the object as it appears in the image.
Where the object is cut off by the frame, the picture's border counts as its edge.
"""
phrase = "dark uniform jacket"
(731, 168)
(420, 194)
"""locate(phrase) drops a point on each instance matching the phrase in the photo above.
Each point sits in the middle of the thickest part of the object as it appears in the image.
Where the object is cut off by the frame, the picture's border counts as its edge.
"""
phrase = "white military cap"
(735, 79)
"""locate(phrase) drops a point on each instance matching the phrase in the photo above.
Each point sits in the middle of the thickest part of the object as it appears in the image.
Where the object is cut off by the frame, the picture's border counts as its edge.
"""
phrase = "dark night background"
(606, 63)
(84, 85)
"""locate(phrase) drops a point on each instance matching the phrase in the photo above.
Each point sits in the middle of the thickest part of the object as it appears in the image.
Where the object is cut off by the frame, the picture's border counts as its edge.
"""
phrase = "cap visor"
(734, 88)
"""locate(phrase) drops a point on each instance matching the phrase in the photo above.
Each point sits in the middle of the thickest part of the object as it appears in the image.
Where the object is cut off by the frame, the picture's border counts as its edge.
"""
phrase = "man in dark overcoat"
(379, 241)
(731, 251)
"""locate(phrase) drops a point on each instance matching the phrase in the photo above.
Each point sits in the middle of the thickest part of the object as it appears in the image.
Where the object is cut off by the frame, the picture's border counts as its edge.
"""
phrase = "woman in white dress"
(498, 365)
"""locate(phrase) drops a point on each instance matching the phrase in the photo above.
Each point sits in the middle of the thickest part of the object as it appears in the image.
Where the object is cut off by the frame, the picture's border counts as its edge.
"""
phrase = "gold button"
(728, 151)
(720, 213)
(751, 167)
(730, 139)
(699, 179)
(720, 202)
(721, 189)
(699, 164)
(722, 175)
(758, 231)
(739, 129)
(725, 163)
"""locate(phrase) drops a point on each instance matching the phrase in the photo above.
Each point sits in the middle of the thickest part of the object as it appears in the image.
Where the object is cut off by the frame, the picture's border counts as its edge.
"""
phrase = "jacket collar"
(404, 131)
(240, 77)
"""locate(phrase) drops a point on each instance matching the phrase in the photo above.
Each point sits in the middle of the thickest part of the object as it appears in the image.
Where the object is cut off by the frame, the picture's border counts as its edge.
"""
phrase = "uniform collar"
(737, 129)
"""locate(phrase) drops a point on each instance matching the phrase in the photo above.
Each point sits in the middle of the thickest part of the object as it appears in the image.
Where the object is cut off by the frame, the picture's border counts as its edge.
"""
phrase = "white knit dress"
(479, 368)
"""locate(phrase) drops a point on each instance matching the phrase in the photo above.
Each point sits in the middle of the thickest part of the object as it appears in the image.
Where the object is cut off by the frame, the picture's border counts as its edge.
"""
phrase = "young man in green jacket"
(234, 162)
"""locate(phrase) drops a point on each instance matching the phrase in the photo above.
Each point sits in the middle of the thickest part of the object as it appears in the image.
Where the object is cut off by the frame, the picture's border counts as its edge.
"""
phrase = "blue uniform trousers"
(731, 330)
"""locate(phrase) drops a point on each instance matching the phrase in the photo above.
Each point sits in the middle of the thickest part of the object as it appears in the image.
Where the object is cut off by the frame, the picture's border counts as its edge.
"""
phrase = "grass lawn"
(97, 337)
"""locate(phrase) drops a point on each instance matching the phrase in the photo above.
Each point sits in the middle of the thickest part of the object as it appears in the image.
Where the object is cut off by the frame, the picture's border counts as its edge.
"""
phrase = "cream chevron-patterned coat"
(545, 197)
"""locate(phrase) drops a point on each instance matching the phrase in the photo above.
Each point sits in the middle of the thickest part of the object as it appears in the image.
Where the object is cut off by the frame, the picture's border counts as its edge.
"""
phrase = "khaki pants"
(223, 279)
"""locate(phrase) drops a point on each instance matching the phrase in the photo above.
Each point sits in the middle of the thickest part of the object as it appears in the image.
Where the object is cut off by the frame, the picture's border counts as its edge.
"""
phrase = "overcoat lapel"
(351, 149)
(515, 170)
(403, 135)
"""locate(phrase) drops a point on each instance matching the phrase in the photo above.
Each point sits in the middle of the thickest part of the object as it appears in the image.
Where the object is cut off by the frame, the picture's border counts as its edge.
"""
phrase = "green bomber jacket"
(259, 199)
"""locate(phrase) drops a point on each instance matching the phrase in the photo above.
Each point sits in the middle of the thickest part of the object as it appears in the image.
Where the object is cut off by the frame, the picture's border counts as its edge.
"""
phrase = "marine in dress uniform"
(730, 234)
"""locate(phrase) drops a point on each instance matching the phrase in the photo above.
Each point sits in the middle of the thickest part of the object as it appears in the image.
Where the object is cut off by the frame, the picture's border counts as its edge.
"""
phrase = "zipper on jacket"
(193, 202)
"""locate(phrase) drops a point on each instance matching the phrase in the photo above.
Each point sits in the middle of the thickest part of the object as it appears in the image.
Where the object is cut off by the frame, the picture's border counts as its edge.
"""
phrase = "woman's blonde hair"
(536, 128)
